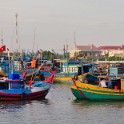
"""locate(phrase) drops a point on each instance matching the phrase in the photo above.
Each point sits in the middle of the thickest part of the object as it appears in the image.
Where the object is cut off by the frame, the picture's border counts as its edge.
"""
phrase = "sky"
(49, 24)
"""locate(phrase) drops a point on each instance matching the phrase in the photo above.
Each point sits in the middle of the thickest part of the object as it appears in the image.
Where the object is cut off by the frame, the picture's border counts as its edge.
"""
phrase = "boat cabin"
(69, 67)
(87, 68)
(116, 71)
(12, 82)
(112, 83)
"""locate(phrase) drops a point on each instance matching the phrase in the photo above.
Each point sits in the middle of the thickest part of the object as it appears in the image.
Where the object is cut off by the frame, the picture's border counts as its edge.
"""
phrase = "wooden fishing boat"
(30, 72)
(62, 77)
(7, 67)
(95, 92)
(66, 78)
(15, 89)
(68, 69)
(113, 68)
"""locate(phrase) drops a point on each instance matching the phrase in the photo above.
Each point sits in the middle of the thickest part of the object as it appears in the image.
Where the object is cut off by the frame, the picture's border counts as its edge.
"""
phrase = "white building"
(112, 50)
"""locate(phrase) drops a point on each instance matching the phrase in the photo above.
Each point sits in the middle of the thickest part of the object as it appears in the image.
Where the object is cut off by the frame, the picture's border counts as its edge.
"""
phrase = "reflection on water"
(85, 103)
(13, 105)
(60, 107)
(10, 105)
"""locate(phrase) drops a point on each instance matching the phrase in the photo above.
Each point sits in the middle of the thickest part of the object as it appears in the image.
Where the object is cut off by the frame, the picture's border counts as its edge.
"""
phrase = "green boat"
(95, 92)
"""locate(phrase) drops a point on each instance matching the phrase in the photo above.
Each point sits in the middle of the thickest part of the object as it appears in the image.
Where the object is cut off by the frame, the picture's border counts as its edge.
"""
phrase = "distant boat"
(66, 72)
(8, 66)
(15, 89)
(113, 68)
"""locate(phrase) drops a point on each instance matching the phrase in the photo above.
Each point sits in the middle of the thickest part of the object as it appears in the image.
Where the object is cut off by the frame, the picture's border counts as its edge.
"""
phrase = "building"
(112, 50)
(85, 50)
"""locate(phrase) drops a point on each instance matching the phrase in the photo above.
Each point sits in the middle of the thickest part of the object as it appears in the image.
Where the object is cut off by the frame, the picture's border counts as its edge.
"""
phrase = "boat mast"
(16, 28)
(66, 55)
(34, 40)
(17, 41)
(74, 46)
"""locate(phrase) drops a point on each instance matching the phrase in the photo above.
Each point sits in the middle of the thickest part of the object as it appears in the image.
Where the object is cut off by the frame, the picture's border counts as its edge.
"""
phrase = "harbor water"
(61, 107)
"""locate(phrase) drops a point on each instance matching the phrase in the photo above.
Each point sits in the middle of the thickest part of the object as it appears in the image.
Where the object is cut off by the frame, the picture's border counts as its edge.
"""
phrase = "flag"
(3, 48)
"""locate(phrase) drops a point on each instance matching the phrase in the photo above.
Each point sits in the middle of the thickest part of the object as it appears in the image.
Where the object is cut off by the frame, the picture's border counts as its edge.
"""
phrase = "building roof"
(87, 47)
(111, 47)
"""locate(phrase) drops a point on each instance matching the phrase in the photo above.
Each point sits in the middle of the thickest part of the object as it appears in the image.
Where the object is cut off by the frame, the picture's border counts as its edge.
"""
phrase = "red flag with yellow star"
(3, 48)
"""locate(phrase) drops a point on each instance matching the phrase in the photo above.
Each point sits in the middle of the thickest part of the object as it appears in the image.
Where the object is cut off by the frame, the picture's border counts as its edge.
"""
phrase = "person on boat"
(103, 83)
(109, 84)
(91, 79)
(33, 63)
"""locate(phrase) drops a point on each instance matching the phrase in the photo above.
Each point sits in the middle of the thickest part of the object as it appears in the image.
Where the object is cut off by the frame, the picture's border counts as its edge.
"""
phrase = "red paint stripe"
(79, 89)
(13, 81)
(6, 94)
(17, 97)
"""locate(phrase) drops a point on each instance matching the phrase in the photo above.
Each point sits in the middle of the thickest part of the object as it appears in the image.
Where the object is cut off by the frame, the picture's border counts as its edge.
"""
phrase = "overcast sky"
(49, 24)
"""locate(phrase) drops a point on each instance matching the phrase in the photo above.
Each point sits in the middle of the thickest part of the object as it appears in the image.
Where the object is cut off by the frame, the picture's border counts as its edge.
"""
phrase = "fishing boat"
(113, 68)
(92, 91)
(14, 88)
(5, 70)
(17, 60)
(62, 77)
(68, 69)
(66, 78)
(17, 66)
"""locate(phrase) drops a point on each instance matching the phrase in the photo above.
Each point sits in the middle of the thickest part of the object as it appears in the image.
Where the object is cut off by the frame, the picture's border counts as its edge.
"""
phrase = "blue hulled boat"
(14, 88)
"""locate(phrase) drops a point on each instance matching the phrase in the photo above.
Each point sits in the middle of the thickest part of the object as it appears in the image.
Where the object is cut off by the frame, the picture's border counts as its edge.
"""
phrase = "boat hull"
(15, 89)
(23, 96)
(66, 79)
(76, 93)
(90, 92)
